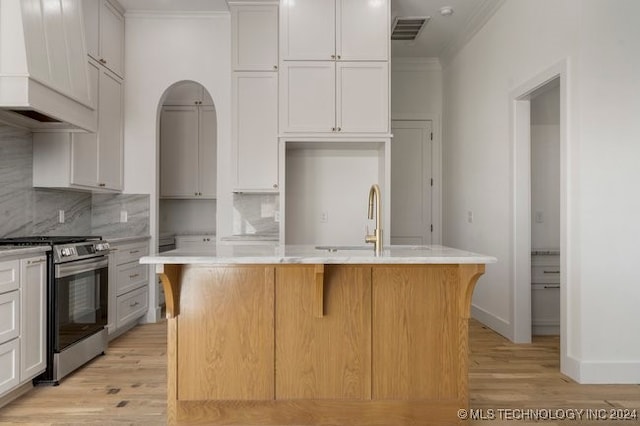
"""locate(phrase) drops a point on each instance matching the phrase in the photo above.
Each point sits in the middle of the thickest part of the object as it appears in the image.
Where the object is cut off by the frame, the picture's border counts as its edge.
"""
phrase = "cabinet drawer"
(131, 276)
(9, 371)
(9, 276)
(541, 274)
(131, 306)
(9, 316)
(131, 253)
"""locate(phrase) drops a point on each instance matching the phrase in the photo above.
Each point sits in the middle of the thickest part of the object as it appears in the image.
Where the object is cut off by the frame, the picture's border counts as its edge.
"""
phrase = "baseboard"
(570, 366)
(16, 393)
(612, 373)
(495, 323)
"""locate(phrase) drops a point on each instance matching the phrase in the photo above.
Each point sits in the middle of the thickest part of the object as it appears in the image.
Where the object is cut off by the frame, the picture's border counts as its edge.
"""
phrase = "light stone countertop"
(21, 251)
(307, 254)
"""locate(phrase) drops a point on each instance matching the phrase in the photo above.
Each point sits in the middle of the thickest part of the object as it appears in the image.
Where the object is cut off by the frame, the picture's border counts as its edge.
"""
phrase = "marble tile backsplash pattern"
(255, 214)
(29, 211)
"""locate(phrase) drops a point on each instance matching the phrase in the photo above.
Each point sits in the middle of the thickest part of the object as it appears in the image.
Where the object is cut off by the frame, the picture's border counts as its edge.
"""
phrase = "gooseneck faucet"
(376, 238)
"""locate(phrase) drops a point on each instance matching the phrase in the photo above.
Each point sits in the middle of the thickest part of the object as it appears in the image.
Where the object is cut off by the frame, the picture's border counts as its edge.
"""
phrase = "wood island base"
(299, 344)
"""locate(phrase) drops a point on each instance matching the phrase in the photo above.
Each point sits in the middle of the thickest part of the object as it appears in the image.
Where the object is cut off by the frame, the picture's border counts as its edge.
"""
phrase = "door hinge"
(432, 228)
(431, 181)
(431, 135)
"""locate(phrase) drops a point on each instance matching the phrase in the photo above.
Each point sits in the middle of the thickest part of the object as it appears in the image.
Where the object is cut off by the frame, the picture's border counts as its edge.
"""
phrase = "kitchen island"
(303, 335)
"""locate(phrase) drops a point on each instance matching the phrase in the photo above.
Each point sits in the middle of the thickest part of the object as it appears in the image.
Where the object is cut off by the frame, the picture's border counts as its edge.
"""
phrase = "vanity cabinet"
(86, 161)
(128, 285)
(23, 326)
(188, 154)
(104, 33)
(254, 114)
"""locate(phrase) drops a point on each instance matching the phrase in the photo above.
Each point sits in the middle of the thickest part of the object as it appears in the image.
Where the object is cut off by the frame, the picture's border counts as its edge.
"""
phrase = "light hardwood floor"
(128, 385)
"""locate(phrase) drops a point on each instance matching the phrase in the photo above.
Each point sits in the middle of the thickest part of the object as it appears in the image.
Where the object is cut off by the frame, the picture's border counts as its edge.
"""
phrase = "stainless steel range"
(77, 295)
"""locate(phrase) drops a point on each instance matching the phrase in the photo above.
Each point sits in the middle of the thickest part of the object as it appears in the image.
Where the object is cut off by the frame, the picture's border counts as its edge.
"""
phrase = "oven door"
(80, 300)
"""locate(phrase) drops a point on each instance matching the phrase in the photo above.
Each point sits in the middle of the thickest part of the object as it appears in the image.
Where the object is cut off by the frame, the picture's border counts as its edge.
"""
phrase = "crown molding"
(174, 14)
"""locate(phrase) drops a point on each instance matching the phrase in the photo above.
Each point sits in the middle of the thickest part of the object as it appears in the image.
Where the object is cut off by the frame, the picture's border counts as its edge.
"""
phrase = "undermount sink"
(341, 248)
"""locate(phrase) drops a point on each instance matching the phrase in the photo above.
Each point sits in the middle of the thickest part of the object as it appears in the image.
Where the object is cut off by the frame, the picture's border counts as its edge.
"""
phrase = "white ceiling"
(439, 36)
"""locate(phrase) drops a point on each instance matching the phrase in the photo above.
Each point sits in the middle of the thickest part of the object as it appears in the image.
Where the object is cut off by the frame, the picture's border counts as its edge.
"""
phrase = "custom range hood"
(44, 81)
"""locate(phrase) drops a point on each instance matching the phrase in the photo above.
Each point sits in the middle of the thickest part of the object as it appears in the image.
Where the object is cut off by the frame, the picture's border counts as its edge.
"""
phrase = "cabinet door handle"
(275, 67)
(102, 185)
(133, 276)
(552, 286)
(134, 251)
(333, 129)
(35, 262)
(339, 129)
(103, 61)
(339, 56)
(275, 186)
(133, 305)
(551, 272)
(333, 56)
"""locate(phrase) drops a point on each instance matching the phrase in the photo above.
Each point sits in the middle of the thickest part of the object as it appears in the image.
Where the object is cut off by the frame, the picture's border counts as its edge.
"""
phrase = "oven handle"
(81, 266)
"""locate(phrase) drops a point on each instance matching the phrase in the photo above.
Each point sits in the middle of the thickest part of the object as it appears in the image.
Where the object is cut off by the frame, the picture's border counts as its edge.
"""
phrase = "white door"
(411, 175)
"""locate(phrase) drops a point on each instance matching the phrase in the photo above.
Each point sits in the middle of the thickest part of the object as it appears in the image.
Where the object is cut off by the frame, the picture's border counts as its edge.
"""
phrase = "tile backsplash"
(255, 214)
(26, 211)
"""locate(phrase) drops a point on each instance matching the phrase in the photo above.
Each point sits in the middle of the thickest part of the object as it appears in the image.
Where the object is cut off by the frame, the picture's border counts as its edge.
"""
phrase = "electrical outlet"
(539, 217)
(469, 216)
(324, 217)
(124, 216)
(276, 216)
(60, 216)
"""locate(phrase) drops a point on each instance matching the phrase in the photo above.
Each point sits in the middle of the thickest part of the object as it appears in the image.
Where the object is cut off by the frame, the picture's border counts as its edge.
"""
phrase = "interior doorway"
(526, 215)
(412, 182)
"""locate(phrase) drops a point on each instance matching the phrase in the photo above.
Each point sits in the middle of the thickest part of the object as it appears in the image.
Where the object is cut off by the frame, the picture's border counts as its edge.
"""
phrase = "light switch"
(124, 216)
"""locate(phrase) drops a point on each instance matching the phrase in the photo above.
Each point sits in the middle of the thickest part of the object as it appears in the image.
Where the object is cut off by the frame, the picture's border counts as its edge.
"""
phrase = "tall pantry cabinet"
(254, 98)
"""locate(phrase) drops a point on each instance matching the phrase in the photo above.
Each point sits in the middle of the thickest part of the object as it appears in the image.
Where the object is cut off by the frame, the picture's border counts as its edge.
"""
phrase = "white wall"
(335, 181)
(602, 46)
(416, 88)
(545, 170)
(159, 51)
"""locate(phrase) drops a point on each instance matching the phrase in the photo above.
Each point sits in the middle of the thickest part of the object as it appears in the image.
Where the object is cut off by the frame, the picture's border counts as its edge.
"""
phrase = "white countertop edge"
(244, 255)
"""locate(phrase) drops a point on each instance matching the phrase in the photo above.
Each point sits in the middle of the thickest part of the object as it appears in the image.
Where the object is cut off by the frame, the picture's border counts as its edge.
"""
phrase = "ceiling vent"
(408, 28)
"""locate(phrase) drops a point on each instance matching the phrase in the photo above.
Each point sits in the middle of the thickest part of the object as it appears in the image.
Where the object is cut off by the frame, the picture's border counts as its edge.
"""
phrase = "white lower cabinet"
(128, 285)
(33, 318)
(545, 294)
(22, 321)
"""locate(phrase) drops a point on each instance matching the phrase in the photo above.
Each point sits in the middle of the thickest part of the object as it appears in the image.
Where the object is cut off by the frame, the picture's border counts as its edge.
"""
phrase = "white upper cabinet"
(104, 32)
(255, 130)
(308, 97)
(349, 30)
(362, 92)
(254, 37)
(188, 152)
(110, 132)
